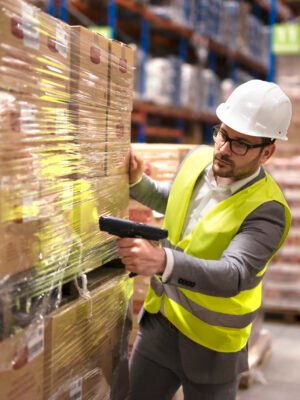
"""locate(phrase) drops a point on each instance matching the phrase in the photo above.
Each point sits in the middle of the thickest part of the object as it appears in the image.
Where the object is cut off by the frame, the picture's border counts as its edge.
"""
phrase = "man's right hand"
(136, 168)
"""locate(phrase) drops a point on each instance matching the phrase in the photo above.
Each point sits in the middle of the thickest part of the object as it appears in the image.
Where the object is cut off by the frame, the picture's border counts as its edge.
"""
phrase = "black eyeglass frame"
(217, 129)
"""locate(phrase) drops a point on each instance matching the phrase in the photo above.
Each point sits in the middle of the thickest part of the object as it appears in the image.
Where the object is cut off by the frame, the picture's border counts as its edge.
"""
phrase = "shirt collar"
(232, 187)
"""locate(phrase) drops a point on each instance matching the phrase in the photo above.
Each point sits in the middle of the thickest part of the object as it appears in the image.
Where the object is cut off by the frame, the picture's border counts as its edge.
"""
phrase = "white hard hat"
(257, 108)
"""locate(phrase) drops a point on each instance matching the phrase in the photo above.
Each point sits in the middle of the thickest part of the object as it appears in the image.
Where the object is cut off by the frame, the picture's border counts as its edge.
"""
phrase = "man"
(226, 218)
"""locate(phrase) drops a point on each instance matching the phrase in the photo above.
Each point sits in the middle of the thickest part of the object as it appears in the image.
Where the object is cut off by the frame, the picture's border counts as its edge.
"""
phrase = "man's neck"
(223, 181)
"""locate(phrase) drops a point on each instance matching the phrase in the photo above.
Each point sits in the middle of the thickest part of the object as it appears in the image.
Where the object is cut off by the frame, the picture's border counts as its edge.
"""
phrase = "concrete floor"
(279, 378)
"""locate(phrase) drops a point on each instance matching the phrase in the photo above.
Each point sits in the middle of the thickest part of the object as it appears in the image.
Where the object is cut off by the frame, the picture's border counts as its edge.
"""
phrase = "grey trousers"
(156, 370)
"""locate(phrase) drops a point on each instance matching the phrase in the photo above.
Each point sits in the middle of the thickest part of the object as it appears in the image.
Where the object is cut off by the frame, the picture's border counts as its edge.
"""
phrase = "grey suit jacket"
(235, 271)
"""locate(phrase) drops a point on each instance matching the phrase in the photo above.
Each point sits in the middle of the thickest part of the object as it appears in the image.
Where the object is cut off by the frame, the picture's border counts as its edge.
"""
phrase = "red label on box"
(52, 45)
(123, 65)
(20, 358)
(95, 55)
(120, 130)
(16, 28)
(15, 121)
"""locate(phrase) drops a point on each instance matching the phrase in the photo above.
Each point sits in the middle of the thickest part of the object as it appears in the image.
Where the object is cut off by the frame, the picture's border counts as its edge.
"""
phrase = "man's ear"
(267, 152)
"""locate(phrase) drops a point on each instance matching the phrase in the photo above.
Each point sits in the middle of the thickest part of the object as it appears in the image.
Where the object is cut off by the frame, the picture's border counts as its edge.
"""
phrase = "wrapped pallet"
(65, 110)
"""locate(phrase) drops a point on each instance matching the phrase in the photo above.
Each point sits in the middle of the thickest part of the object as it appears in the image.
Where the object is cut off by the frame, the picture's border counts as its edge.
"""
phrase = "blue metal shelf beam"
(272, 60)
(145, 45)
(63, 10)
(183, 51)
(112, 17)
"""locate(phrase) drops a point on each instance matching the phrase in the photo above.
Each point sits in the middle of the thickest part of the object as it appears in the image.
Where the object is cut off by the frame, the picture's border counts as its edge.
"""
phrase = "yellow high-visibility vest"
(219, 323)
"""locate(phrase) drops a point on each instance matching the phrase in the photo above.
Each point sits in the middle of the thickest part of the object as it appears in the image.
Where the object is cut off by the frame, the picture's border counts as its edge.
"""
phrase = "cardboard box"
(36, 143)
(104, 159)
(37, 46)
(103, 138)
(140, 213)
(121, 76)
(102, 70)
(19, 247)
(56, 224)
(35, 224)
(95, 384)
(33, 122)
(22, 363)
(89, 65)
(96, 197)
(101, 124)
(162, 160)
(82, 338)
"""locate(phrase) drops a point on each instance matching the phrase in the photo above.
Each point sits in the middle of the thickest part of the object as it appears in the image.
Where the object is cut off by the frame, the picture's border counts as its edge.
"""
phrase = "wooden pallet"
(258, 354)
(282, 315)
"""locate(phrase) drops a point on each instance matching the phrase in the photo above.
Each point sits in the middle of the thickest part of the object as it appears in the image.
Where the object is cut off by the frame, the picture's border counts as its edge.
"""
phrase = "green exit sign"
(286, 39)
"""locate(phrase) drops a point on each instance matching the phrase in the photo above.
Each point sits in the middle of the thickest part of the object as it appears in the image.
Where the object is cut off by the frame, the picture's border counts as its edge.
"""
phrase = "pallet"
(282, 315)
(259, 352)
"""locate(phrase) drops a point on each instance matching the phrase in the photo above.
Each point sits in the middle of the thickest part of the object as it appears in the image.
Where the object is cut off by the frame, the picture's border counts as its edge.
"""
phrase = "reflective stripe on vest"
(219, 323)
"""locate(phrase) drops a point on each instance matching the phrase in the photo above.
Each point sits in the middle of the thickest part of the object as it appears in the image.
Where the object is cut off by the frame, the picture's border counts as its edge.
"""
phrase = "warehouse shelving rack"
(152, 28)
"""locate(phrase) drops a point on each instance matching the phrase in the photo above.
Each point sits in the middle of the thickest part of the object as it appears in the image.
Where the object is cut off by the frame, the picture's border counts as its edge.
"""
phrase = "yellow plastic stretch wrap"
(65, 112)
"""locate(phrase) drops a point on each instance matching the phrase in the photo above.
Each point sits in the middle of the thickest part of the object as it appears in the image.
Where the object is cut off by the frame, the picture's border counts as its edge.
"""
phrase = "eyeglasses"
(237, 146)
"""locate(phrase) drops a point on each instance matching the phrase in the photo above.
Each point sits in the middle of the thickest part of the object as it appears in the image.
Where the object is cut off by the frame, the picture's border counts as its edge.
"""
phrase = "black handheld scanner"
(125, 228)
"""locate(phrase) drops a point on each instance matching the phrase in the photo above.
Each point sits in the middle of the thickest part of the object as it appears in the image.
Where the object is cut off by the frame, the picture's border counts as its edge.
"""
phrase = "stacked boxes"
(281, 288)
(282, 294)
(35, 77)
(287, 77)
(65, 110)
(64, 139)
(85, 342)
(101, 104)
(36, 45)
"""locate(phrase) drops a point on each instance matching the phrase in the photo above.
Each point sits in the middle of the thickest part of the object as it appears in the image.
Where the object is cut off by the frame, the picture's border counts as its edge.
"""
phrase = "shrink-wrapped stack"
(65, 103)
(65, 106)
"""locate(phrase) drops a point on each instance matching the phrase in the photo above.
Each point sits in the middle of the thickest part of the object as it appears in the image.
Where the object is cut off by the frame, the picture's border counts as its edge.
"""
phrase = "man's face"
(226, 164)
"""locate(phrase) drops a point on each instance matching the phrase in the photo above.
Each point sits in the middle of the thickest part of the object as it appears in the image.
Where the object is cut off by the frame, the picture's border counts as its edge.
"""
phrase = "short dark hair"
(268, 141)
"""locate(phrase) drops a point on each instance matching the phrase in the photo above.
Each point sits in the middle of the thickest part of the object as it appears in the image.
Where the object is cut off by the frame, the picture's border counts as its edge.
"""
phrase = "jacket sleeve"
(154, 194)
(246, 255)
(151, 193)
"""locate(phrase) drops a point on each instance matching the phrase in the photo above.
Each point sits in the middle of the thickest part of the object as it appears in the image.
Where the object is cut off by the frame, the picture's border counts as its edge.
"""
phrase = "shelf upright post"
(63, 10)
(212, 60)
(145, 45)
(272, 60)
(207, 133)
(257, 11)
(51, 8)
(112, 17)
(234, 71)
(141, 137)
(183, 49)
